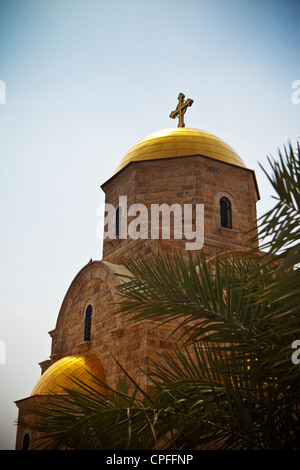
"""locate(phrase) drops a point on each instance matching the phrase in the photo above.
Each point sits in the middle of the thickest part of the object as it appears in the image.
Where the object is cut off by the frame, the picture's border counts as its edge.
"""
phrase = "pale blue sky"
(85, 80)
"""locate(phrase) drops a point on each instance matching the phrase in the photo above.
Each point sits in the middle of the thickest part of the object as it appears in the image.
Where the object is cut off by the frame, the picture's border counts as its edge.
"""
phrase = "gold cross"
(181, 109)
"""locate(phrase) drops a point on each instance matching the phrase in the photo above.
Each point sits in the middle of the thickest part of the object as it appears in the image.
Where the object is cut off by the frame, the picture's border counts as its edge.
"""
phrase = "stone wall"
(112, 337)
(204, 181)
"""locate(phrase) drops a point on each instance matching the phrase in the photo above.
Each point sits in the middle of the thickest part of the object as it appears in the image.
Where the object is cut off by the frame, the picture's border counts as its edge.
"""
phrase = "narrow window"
(225, 212)
(25, 442)
(88, 323)
(118, 221)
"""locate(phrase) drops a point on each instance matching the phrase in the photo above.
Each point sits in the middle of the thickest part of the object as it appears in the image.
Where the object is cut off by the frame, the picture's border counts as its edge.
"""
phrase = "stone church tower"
(177, 167)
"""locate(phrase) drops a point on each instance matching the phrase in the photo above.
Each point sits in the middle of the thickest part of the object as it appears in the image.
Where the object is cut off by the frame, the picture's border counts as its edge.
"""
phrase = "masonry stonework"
(203, 181)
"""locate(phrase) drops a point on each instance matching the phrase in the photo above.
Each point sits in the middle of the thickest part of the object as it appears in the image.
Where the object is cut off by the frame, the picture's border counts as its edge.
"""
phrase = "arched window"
(118, 221)
(225, 212)
(25, 445)
(88, 323)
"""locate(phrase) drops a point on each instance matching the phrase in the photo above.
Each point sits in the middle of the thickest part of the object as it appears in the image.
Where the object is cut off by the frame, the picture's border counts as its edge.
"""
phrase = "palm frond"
(282, 223)
(215, 299)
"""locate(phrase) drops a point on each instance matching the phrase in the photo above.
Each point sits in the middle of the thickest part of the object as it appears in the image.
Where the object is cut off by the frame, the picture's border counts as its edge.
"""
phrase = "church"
(175, 167)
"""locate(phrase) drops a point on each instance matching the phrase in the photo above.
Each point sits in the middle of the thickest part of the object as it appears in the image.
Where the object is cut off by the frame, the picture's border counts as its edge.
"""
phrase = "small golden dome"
(61, 374)
(181, 142)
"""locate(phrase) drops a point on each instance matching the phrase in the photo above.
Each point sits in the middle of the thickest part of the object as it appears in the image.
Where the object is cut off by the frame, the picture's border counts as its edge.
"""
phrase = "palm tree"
(232, 384)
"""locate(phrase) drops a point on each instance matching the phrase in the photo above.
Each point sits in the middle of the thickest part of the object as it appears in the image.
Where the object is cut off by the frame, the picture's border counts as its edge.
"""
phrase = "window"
(88, 323)
(25, 442)
(225, 212)
(118, 221)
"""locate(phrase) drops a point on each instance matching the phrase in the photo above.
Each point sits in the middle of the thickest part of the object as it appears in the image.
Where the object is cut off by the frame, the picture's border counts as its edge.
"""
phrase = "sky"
(81, 82)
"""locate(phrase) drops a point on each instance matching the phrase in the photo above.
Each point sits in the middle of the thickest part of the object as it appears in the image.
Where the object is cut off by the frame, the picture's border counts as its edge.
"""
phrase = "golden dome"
(181, 142)
(62, 373)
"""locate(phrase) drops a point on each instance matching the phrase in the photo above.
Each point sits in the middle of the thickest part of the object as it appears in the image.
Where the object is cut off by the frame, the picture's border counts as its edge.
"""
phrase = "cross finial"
(181, 109)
